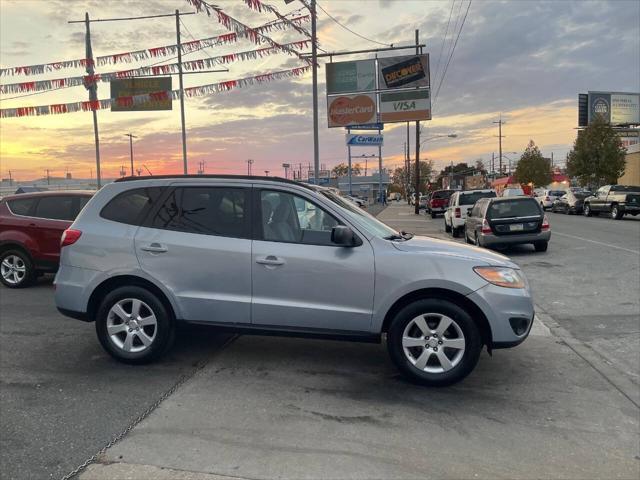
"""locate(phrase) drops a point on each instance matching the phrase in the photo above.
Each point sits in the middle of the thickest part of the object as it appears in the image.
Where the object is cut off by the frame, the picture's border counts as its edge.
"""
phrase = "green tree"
(400, 176)
(533, 167)
(342, 170)
(598, 157)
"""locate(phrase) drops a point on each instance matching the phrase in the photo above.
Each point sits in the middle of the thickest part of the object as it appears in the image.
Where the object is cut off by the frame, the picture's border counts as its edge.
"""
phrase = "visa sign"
(373, 140)
(405, 106)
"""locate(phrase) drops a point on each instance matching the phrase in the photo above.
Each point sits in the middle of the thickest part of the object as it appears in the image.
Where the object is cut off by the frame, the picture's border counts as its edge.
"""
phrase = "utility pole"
(131, 137)
(500, 137)
(417, 203)
(314, 58)
(408, 164)
(266, 172)
(48, 178)
(552, 161)
(249, 163)
(184, 132)
(93, 92)
(349, 164)
(493, 157)
(380, 193)
(10, 179)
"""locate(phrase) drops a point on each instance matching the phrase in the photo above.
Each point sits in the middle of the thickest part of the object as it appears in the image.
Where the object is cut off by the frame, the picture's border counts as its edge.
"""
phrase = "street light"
(131, 137)
(450, 135)
(417, 204)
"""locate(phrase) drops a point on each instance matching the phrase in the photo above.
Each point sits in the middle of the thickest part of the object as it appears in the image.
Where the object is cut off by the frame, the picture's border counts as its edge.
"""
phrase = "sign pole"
(314, 58)
(93, 95)
(417, 202)
(380, 170)
(349, 163)
(184, 132)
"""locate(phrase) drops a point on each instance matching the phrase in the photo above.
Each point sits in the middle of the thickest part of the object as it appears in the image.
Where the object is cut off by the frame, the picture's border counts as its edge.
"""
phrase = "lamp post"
(434, 137)
(249, 163)
(131, 137)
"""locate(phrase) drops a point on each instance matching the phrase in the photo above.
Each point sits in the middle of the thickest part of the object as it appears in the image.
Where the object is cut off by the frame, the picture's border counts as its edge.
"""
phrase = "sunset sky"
(524, 60)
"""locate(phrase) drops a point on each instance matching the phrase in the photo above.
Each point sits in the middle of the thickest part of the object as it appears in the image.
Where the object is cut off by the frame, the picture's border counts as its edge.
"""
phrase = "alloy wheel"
(433, 343)
(13, 269)
(131, 325)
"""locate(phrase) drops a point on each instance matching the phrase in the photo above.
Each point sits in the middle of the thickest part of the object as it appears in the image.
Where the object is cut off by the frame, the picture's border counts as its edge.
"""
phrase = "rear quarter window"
(130, 207)
(471, 198)
(524, 207)
(21, 206)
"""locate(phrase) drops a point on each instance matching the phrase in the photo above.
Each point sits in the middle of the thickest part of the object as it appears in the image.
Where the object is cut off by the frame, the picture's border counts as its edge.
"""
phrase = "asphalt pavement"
(561, 405)
(62, 398)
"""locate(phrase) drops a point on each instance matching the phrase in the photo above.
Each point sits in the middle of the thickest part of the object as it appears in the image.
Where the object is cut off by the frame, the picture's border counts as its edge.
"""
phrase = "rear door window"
(221, 211)
(56, 208)
(130, 207)
(22, 206)
(472, 197)
(513, 208)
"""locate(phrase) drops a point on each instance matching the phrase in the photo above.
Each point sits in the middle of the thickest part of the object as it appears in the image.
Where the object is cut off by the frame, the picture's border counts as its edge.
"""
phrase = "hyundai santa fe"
(270, 256)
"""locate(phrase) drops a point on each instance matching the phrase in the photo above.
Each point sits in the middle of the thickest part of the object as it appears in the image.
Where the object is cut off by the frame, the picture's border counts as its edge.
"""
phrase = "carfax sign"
(373, 140)
(403, 72)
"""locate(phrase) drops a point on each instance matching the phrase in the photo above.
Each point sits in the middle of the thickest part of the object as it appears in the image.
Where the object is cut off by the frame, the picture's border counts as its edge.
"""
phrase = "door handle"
(154, 248)
(270, 260)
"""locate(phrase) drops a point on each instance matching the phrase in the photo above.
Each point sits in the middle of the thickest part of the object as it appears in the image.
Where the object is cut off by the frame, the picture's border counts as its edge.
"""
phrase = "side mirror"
(469, 211)
(343, 236)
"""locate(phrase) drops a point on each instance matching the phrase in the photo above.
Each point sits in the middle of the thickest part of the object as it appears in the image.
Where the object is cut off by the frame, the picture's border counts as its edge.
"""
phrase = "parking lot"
(565, 404)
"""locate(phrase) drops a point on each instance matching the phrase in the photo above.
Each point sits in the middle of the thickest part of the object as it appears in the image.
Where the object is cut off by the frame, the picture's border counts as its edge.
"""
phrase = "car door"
(53, 215)
(300, 278)
(474, 219)
(598, 204)
(197, 244)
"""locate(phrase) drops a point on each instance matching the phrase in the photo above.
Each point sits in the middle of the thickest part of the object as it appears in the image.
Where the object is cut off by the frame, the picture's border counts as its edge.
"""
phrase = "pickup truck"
(615, 200)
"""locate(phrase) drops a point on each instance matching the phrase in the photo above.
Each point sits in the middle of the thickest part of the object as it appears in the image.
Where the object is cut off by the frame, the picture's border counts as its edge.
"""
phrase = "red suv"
(30, 229)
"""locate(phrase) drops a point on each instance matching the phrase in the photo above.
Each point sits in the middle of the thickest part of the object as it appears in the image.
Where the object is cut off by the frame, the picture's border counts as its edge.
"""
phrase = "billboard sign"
(403, 71)
(406, 106)
(373, 140)
(128, 87)
(350, 77)
(346, 110)
(614, 108)
(625, 109)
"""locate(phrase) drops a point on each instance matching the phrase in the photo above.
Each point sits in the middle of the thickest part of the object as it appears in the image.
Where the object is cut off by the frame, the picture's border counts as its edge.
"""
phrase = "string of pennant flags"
(164, 51)
(129, 101)
(194, 65)
(258, 6)
(242, 30)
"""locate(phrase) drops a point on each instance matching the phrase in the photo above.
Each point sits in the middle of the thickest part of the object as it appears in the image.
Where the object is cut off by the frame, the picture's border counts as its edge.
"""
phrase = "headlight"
(501, 276)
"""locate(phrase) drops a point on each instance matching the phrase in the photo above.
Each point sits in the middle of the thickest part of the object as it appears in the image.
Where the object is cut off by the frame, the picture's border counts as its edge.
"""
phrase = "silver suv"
(269, 256)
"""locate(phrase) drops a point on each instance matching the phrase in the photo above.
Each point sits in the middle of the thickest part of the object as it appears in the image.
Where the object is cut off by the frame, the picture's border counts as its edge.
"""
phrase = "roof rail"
(230, 177)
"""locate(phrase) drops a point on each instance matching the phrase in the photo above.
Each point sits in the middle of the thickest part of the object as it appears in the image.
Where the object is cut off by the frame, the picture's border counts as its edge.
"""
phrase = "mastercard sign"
(345, 110)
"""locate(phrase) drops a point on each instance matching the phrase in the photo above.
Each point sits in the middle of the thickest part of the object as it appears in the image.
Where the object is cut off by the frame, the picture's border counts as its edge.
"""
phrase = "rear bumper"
(437, 209)
(72, 290)
(457, 222)
(633, 209)
(491, 239)
(73, 314)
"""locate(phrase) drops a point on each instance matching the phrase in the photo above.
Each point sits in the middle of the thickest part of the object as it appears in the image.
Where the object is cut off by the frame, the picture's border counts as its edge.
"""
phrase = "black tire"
(553, 208)
(586, 211)
(472, 338)
(434, 215)
(24, 260)
(455, 232)
(541, 246)
(447, 228)
(616, 213)
(466, 236)
(165, 325)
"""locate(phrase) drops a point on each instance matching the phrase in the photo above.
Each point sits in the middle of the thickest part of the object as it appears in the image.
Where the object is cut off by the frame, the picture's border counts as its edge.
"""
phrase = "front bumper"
(487, 240)
(505, 308)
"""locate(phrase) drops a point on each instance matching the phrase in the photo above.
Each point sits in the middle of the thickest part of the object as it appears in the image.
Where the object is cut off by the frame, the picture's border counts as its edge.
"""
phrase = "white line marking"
(597, 243)
(539, 329)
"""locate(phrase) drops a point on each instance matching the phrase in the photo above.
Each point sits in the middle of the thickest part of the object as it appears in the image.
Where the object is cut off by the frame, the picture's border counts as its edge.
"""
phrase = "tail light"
(486, 229)
(545, 223)
(457, 212)
(69, 237)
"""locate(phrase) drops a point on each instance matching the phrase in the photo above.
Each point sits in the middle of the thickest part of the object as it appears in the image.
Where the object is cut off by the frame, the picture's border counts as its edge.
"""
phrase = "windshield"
(472, 198)
(556, 193)
(580, 195)
(624, 188)
(360, 217)
(513, 208)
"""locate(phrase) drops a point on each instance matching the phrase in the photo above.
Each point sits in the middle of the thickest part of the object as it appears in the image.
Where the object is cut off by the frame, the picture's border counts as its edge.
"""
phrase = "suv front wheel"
(434, 342)
(134, 326)
(16, 269)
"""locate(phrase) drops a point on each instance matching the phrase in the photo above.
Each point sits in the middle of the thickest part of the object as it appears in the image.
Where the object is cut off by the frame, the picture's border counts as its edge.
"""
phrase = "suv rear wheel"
(616, 213)
(434, 342)
(134, 326)
(16, 269)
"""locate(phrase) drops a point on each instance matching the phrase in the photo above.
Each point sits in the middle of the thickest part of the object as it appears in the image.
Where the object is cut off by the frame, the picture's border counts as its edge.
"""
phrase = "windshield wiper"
(402, 236)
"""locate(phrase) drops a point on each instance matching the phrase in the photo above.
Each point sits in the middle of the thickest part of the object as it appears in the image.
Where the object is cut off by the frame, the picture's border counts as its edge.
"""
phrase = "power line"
(451, 55)
(444, 39)
(351, 31)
